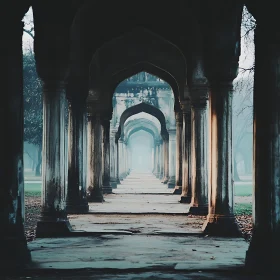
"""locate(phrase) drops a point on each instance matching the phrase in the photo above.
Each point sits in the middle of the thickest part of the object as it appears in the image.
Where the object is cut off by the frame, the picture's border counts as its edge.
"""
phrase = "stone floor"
(141, 231)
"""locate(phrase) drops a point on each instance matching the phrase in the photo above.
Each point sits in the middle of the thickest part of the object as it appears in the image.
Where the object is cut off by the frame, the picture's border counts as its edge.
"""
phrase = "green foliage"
(33, 108)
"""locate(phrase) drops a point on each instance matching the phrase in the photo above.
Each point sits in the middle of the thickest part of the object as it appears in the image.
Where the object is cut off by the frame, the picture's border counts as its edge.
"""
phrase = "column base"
(114, 184)
(263, 254)
(177, 190)
(118, 181)
(53, 228)
(76, 208)
(96, 199)
(170, 185)
(107, 189)
(199, 210)
(185, 199)
(221, 225)
(95, 195)
(15, 254)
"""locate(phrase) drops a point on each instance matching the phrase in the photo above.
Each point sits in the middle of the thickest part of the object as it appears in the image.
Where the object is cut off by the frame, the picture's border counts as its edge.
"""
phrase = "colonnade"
(206, 187)
(106, 169)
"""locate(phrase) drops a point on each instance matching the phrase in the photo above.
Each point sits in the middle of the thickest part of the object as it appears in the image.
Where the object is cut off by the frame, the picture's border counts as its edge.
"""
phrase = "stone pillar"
(153, 159)
(166, 159)
(14, 251)
(53, 220)
(106, 187)
(186, 153)
(158, 159)
(124, 159)
(161, 163)
(179, 152)
(128, 159)
(199, 202)
(264, 251)
(121, 159)
(76, 201)
(172, 158)
(221, 220)
(94, 183)
(117, 161)
(113, 161)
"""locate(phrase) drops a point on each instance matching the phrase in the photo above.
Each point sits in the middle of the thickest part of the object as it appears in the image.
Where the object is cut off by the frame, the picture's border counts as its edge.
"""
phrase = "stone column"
(186, 151)
(94, 183)
(113, 161)
(14, 251)
(153, 159)
(158, 159)
(128, 159)
(53, 220)
(166, 159)
(172, 158)
(264, 251)
(179, 152)
(199, 202)
(161, 163)
(76, 201)
(124, 159)
(106, 187)
(121, 159)
(117, 161)
(221, 220)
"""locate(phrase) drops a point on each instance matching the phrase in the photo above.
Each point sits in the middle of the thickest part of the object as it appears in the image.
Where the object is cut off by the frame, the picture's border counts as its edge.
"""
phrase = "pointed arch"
(142, 107)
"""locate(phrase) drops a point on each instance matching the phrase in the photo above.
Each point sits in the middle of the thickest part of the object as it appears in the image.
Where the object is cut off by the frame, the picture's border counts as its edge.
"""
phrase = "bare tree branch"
(29, 32)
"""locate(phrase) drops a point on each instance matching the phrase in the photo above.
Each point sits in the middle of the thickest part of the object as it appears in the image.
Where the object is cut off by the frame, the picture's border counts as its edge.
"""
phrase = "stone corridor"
(140, 226)
(140, 193)
(97, 73)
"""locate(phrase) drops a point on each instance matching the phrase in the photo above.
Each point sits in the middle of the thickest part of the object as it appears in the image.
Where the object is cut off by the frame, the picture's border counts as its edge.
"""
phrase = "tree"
(33, 108)
(243, 88)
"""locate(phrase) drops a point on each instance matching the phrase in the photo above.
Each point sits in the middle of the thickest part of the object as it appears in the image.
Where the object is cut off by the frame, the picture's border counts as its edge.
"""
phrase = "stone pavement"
(141, 231)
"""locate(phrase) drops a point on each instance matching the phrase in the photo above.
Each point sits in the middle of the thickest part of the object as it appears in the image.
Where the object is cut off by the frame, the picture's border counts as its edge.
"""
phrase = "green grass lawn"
(243, 209)
(32, 189)
(243, 189)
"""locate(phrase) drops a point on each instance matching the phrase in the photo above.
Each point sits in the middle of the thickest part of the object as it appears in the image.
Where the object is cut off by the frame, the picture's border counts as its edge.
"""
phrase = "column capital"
(105, 122)
(223, 72)
(199, 96)
(112, 134)
(93, 116)
(165, 136)
(52, 85)
(185, 106)
(172, 134)
(179, 117)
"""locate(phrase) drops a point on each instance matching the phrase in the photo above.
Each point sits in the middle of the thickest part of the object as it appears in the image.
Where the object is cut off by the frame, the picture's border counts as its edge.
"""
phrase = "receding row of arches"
(88, 60)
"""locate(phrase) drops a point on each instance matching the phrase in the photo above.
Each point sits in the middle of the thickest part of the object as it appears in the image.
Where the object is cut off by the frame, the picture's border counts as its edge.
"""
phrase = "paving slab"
(130, 252)
(141, 231)
(140, 224)
(149, 275)
(141, 203)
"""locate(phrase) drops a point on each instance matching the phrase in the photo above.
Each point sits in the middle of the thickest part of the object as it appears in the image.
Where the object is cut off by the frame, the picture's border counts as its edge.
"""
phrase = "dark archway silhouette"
(152, 69)
(142, 107)
(139, 128)
(142, 122)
